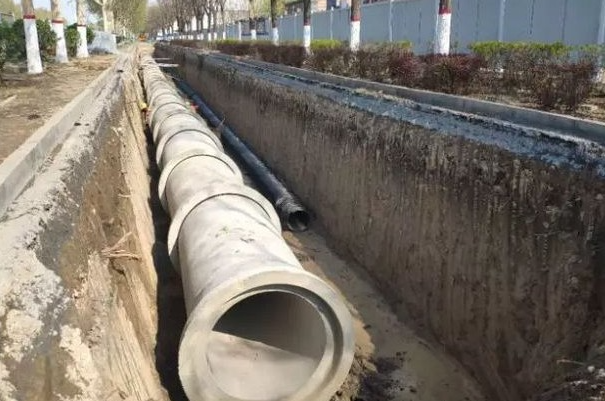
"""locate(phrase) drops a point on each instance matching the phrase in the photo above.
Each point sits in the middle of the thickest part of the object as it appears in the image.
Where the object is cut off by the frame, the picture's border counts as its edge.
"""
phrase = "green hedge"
(553, 75)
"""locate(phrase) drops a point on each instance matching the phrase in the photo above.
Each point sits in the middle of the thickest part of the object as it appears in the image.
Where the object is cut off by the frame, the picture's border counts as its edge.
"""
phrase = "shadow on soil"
(170, 301)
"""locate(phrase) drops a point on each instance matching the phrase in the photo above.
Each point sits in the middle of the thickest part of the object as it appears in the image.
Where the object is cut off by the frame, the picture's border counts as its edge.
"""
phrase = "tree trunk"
(355, 25)
(214, 26)
(274, 28)
(32, 47)
(252, 21)
(59, 29)
(444, 27)
(307, 25)
(223, 24)
(83, 44)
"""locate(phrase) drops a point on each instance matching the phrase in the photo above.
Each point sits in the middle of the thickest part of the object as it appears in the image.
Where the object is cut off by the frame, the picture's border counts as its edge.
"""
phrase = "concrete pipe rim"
(163, 95)
(204, 134)
(153, 85)
(201, 136)
(154, 111)
(199, 376)
(187, 116)
(208, 192)
(173, 164)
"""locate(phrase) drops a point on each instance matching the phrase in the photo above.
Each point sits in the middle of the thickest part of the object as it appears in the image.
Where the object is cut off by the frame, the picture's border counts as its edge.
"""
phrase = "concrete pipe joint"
(181, 178)
(161, 111)
(174, 114)
(178, 129)
(259, 327)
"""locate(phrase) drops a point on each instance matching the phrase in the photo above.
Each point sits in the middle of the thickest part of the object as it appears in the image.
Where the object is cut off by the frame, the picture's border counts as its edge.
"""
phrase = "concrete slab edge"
(541, 120)
(18, 169)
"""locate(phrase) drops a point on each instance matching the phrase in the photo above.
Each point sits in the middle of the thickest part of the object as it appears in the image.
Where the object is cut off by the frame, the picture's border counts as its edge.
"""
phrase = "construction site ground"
(28, 101)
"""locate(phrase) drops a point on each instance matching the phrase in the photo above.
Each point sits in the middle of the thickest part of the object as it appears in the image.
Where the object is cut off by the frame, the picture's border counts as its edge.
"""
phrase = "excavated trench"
(484, 235)
(93, 310)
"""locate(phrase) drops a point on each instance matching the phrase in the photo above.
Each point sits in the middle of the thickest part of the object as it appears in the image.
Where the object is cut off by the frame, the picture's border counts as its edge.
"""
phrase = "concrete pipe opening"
(287, 337)
(266, 347)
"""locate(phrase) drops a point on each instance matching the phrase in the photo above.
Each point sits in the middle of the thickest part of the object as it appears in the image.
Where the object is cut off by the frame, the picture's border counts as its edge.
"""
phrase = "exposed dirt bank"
(78, 315)
(486, 236)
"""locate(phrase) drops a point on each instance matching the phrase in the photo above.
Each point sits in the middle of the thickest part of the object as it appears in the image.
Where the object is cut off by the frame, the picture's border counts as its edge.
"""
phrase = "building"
(296, 6)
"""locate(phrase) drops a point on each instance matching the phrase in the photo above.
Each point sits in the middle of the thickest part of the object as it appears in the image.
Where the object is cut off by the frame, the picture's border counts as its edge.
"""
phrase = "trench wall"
(78, 290)
(497, 256)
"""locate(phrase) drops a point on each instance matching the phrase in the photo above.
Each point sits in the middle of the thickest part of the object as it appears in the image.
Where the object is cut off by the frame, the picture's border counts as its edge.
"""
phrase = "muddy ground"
(27, 101)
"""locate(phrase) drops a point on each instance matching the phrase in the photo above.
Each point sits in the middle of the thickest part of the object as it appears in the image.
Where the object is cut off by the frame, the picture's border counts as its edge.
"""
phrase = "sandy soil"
(391, 362)
(26, 102)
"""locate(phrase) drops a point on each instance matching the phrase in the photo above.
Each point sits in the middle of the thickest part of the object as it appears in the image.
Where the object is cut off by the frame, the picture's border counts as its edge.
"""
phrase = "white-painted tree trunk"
(355, 35)
(253, 34)
(58, 27)
(275, 35)
(82, 51)
(239, 30)
(444, 28)
(61, 49)
(307, 38)
(32, 47)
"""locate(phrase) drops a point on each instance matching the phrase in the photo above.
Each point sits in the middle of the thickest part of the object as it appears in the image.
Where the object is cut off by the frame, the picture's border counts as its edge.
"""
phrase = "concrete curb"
(18, 169)
(567, 125)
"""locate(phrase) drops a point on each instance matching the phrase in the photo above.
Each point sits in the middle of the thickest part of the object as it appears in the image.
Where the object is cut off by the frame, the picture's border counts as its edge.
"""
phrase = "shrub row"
(552, 75)
(12, 41)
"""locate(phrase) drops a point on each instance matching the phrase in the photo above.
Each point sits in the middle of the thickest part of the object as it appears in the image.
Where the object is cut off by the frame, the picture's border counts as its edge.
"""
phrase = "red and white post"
(82, 51)
(355, 41)
(444, 27)
(59, 30)
(32, 47)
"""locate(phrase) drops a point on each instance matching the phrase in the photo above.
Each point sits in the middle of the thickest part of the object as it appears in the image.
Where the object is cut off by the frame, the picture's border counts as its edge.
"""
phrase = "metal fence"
(573, 22)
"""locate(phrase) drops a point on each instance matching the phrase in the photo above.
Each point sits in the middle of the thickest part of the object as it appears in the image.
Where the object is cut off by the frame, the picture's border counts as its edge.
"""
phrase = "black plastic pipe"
(293, 215)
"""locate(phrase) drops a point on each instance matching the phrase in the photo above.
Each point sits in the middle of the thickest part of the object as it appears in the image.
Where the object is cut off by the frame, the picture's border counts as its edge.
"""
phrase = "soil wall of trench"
(494, 251)
(84, 314)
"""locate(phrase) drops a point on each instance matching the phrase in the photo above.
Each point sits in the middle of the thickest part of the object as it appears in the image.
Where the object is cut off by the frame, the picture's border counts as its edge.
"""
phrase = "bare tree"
(221, 8)
(183, 10)
(106, 9)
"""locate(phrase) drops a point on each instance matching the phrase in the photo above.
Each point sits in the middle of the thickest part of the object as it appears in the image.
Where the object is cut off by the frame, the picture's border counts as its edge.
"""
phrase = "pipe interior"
(298, 221)
(267, 346)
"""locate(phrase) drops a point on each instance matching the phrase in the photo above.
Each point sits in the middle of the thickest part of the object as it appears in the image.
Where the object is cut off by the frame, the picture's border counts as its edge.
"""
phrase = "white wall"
(571, 21)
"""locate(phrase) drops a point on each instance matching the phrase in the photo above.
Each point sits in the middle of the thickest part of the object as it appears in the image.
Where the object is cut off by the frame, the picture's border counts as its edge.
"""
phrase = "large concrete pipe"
(259, 327)
(293, 214)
